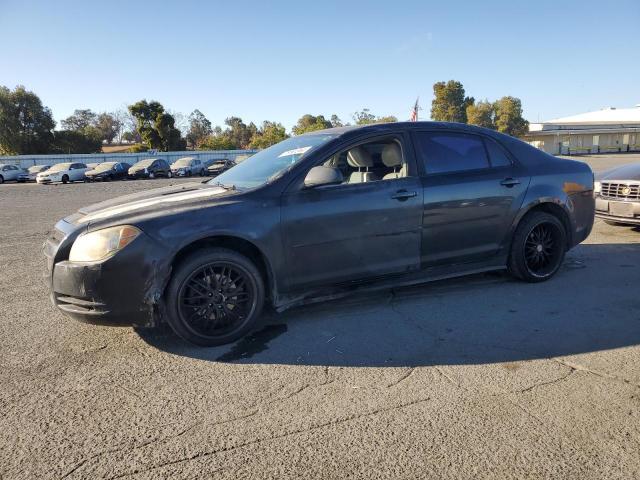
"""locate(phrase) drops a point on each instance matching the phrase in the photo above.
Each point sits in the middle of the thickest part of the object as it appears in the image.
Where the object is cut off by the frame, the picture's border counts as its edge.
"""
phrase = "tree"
(79, 121)
(365, 117)
(156, 127)
(128, 131)
(199, 129)
(509, 118)
(25, 124)
(239, 133)
(268, 134)
(77, 141)
(217, 142)
(482, 114)
(108, 126)
(310, 123)
(335, 121)
(450, 103)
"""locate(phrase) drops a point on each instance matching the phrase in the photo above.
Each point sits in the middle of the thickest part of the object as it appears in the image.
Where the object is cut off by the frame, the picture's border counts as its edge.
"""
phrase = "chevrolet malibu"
(618, 195)
(319, 216)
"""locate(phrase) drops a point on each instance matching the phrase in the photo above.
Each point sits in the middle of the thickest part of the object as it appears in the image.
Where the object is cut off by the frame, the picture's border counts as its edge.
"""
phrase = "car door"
(472, 191)
(12, 172)
(352, 231)
(77, 171)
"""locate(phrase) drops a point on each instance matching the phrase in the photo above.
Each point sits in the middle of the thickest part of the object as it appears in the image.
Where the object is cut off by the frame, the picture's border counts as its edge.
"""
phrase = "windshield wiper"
(222, 185)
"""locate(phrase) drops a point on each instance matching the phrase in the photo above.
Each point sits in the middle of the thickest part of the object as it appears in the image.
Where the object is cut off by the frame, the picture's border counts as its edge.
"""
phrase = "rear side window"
(444, 152)
(496, 154)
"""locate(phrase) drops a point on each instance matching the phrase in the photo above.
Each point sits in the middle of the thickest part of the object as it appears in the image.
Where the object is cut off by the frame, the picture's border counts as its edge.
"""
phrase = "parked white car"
(31, 173)
(63, 172)
(9, 172)
(188, 166)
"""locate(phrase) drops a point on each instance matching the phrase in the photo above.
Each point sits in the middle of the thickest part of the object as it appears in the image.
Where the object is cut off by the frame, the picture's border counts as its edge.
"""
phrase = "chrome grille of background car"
(615, 190)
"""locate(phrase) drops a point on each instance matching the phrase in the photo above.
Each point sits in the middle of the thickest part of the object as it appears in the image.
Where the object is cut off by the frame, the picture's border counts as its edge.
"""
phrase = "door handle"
(509, 182)
(403, 195)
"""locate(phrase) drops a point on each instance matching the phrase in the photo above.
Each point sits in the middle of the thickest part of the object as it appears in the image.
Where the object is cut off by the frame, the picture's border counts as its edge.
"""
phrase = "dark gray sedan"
(618, 195)
(318, 216)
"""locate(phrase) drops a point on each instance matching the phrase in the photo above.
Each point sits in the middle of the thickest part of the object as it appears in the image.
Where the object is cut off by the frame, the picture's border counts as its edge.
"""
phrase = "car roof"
(399, 126)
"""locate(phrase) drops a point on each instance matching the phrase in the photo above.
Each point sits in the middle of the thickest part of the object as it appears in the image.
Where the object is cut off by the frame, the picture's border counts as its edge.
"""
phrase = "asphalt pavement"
(481, 377)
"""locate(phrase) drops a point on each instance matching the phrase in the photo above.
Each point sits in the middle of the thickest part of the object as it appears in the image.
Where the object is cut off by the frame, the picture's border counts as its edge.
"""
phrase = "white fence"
(25, 161)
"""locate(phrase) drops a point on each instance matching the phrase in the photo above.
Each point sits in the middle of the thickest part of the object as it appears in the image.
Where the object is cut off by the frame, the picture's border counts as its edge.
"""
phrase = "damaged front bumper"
(123, 290)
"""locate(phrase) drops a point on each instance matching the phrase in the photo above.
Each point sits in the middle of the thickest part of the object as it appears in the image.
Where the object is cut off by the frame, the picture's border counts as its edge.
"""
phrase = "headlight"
(101, 244)
(597, 187)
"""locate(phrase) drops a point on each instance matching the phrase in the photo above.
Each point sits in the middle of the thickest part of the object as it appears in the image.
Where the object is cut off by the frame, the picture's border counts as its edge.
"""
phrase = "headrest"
(359, 157)
(392, 155)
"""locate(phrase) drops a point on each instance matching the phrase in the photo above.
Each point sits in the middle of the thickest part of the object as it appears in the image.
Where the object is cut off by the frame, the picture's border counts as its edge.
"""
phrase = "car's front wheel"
(65, 179)
(214, 297)
(538, 247)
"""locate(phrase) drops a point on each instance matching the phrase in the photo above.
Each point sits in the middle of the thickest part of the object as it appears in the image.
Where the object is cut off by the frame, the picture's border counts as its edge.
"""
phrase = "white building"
(607, 130)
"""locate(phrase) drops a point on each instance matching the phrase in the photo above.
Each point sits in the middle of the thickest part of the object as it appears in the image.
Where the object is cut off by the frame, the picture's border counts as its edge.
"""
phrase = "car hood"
(157, 199)
(624, 172)
(96, 172)
(137, 169)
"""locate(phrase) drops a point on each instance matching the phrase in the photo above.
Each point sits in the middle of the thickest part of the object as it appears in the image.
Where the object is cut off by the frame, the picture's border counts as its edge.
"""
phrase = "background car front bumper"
(605, 210)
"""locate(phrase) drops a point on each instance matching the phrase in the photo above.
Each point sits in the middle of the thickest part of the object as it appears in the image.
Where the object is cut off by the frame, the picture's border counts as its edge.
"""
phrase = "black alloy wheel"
(538, 247)
(215, 297)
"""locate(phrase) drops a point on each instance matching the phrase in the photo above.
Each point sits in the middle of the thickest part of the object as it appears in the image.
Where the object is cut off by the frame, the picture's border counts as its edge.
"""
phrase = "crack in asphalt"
(402, 377)
(550, 382)
(135, 447)
(581, 368)
(275, 437)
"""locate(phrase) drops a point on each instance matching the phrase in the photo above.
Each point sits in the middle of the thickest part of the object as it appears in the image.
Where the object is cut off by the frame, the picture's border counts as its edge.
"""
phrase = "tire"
(202, 172)
(198, 301)
(169, 175)
(1, 179)
(537, 248)
(65, 179)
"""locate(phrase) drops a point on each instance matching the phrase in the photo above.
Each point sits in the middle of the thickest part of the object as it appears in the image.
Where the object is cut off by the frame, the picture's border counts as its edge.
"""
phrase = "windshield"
(272, 162)
(38, 168)
(183, 162)
(105, 166)
(58, 167)
(145, 163)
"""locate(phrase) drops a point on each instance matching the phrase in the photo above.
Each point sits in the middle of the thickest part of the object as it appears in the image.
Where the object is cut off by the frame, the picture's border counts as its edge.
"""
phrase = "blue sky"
(278, 60)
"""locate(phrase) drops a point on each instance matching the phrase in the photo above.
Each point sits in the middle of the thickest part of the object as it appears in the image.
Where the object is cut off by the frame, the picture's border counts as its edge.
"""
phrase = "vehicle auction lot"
(481, 377)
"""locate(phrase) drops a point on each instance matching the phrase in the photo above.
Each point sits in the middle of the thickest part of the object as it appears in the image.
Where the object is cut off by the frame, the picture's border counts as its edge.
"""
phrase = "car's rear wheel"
(65, 179)
(214, 297)
(538, 247)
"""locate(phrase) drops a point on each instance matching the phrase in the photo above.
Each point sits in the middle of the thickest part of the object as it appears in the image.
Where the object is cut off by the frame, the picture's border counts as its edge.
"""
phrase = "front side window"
(380, 159)
(444, 152)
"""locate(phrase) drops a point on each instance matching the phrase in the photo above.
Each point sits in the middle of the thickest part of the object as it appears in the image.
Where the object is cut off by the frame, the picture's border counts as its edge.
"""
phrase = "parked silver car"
(31, 173)
(617, 194)
(188, 166)
(9, 172)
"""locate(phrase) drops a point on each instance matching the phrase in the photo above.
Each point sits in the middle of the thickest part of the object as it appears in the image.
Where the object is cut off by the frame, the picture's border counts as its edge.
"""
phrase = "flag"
(414, 113)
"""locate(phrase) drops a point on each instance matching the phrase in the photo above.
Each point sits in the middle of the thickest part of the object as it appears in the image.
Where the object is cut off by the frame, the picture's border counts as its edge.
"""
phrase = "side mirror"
(321, 175)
